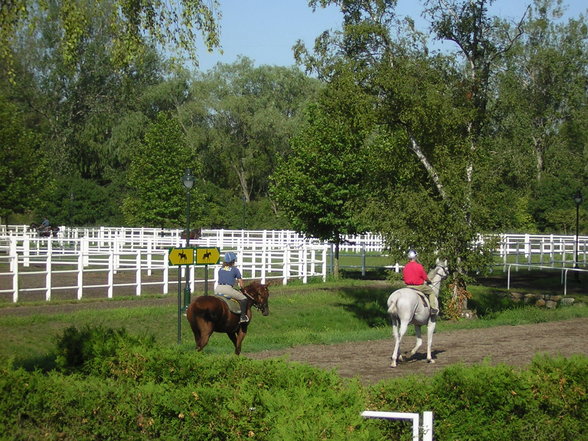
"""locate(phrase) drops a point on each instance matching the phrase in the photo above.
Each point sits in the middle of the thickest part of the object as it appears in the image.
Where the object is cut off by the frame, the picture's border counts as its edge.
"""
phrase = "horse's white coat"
(405, 307)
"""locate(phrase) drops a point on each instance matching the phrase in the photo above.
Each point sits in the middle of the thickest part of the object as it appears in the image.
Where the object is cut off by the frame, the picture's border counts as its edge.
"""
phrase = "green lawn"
(351, 310)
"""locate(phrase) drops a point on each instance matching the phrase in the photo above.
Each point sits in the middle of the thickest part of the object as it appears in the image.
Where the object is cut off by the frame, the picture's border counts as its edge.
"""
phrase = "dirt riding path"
(512, 345)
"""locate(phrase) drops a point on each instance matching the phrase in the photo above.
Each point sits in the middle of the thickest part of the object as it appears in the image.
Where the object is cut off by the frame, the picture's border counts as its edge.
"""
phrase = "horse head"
(440, 271)
(259, 294)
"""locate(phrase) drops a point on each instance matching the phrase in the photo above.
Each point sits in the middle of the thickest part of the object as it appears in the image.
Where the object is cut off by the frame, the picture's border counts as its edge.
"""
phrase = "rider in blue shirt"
(228, 274)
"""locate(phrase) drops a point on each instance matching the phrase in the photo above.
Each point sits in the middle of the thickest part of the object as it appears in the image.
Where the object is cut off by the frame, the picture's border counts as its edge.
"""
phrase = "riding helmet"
(230, 257)
(412, 254)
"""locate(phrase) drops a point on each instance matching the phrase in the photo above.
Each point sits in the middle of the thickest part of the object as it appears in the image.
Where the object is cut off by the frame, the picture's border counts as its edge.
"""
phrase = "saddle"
(233, 304)
(423, 298)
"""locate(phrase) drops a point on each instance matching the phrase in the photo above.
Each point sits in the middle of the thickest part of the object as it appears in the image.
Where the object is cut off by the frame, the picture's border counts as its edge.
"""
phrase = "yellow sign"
(207, 256)
(181, 256)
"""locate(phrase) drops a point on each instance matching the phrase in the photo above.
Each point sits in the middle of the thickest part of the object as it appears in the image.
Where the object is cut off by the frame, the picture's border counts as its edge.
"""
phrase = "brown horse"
(208, 314)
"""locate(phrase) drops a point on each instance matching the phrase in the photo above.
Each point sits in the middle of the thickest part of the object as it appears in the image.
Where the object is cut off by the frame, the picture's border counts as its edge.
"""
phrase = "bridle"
(256, 304)
(445, 270)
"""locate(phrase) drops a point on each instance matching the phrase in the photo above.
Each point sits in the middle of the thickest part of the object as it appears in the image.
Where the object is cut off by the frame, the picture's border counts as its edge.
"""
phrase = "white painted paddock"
(141, 254)
(51, 260)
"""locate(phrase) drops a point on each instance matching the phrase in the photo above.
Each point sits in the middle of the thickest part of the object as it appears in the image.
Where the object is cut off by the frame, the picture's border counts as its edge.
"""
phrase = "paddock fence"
(94, 262)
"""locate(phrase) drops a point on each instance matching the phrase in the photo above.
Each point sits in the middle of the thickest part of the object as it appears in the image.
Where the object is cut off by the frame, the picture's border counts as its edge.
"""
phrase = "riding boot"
(244, 318)
(434, 304)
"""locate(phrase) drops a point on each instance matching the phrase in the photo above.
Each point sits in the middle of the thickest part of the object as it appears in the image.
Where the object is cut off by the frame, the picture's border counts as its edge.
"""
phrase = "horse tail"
(392, 304)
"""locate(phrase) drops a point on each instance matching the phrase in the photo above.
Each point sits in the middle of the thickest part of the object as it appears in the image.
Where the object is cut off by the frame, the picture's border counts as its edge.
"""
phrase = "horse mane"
(254, 286)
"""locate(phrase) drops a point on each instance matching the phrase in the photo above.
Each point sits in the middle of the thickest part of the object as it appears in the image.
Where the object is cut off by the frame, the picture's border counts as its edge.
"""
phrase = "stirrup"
(434, 311)
(244, 319)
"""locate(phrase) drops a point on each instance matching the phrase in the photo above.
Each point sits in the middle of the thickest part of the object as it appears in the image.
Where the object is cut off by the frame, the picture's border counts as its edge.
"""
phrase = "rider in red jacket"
(415, 277)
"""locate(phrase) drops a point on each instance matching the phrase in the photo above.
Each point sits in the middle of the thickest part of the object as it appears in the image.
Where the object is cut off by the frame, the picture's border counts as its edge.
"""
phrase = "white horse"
(406, 307)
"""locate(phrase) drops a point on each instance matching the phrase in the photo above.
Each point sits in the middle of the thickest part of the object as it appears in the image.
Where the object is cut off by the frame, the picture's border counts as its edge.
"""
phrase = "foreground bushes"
(108, 385)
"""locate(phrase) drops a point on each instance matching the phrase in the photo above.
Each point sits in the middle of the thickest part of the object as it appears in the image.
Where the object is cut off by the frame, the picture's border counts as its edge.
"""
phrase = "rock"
(540, 303)
(567, 301)
(550, 304)
(469, 314)
(516, 296)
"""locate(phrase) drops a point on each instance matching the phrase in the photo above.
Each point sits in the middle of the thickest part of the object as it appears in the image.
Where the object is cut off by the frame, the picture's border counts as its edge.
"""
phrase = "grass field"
(325, 313)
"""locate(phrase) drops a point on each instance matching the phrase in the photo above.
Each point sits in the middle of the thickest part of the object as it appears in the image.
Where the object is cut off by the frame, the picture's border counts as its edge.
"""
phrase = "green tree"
(541, 121)
(21, 162)
(174, 25)
(156, 195)
(317, 182)
(250, 112)
(434, 110)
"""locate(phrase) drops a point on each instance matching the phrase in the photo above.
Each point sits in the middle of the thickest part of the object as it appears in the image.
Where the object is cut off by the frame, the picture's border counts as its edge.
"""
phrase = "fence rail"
(128, 260)
(34, 268)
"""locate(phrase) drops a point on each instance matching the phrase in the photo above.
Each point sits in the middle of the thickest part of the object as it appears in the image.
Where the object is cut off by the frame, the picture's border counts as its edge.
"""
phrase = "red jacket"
(414, 273)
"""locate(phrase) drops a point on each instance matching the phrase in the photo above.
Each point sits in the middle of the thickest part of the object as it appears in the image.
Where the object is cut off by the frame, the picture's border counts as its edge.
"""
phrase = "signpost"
(207, 256)
(179, 257)
(191, 256)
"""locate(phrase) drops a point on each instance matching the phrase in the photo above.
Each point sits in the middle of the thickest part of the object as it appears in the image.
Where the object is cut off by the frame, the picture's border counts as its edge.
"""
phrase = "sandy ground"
(512, 345)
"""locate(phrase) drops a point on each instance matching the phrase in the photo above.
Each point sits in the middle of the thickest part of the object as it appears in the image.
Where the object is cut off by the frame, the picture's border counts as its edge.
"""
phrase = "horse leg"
(419, 340)
(233, 337)
(430, 331)
(237, 339)
(398, 334)
(202, 332)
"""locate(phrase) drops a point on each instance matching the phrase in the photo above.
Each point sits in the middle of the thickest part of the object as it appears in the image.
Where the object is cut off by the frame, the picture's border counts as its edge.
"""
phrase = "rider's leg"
(244, 318)
(433, 302)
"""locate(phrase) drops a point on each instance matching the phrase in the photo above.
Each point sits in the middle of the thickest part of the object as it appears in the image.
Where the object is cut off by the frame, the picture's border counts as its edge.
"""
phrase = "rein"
(250, 297)
(438, 283)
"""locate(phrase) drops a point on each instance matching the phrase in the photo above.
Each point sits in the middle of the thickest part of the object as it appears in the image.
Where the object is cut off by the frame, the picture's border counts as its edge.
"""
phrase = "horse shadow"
(369, 304)
(420, 356)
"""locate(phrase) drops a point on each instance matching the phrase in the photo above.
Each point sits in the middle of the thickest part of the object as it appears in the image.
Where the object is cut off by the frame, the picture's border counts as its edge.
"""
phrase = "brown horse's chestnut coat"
(208, 314)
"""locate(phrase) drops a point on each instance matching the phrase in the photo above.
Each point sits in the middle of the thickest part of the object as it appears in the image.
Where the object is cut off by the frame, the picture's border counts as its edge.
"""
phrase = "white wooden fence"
(129, 260)
(33, 268)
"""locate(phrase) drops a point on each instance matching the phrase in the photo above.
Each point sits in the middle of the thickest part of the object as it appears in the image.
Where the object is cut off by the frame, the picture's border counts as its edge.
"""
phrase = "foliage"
(315, 185)
(81, 350)
(497, 402)
(133, 390)
(173, 25)
(249, 113)
(21, 162)
(157, 194)
(77, 201)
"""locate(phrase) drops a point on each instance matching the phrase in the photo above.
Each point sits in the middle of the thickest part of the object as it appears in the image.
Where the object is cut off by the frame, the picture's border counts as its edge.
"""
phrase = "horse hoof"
(392, 365)
(431, 361)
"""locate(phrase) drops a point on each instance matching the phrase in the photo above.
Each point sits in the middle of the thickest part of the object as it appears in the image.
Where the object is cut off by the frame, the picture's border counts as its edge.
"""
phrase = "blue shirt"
(227, 275)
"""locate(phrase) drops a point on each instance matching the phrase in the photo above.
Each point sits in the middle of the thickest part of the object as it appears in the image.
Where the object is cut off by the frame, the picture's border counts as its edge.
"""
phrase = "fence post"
(286, 266)
(48, 269)
(166, 272)
(26, 251)
(13, 256)
(80, 275)
(138, 273)
(110, 275)
(362, 260)
(427, 426)
(85, 250)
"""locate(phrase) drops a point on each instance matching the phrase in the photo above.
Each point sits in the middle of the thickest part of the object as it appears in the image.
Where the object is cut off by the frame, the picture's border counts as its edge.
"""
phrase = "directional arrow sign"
(181, 256)
(207, 256)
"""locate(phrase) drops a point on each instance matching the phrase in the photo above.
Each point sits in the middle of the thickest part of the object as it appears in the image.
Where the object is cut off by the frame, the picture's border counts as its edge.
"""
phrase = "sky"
(266, 30)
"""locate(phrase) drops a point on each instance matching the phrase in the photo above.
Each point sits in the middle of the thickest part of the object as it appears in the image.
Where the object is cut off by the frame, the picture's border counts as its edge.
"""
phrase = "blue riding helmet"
(230, 257)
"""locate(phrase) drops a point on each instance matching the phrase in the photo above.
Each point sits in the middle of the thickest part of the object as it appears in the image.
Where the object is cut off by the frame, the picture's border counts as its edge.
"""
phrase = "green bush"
(112, 386)
(79, 349)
